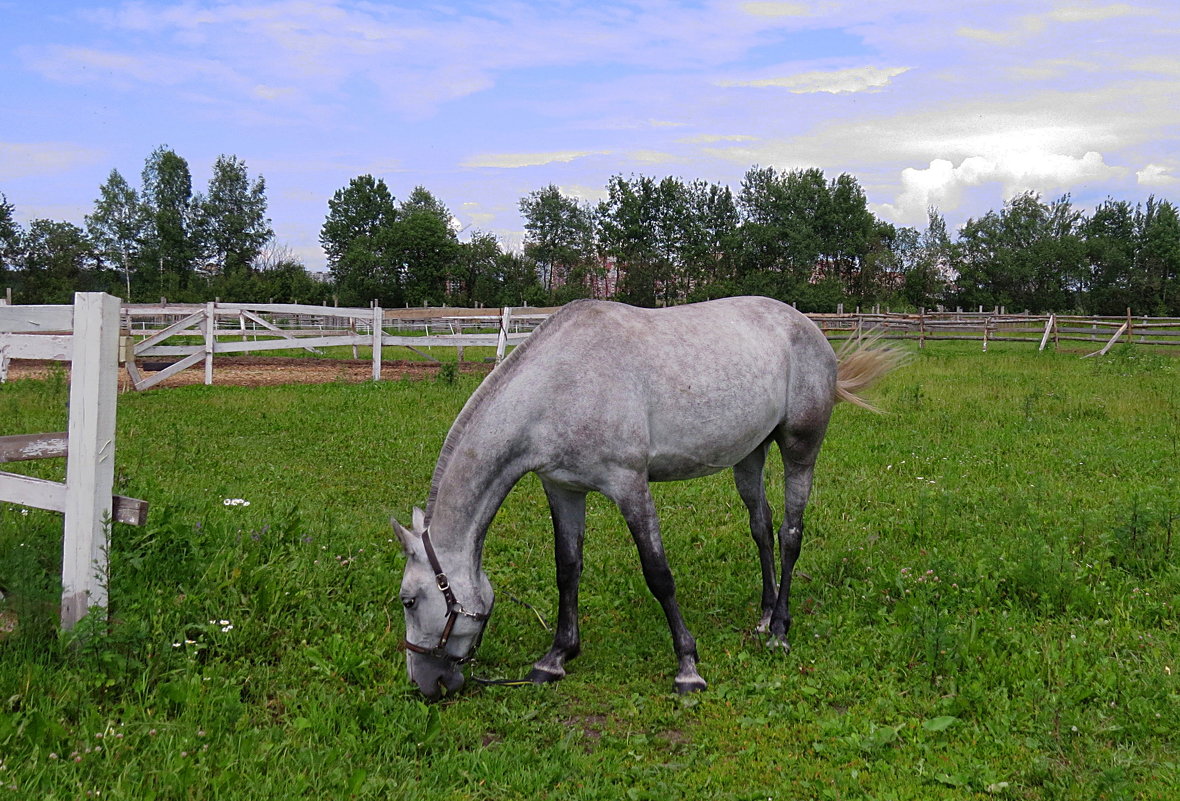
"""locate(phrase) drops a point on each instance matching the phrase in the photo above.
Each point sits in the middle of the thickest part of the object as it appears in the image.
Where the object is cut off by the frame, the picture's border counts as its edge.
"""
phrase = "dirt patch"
(263, 371)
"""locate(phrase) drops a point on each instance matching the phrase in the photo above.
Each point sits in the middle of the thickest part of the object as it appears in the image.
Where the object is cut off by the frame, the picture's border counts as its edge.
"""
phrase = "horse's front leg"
(568, 509)
(639, 510)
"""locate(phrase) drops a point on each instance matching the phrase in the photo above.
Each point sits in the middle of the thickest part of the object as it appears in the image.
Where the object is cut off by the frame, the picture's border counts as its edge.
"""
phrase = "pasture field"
(986, 607)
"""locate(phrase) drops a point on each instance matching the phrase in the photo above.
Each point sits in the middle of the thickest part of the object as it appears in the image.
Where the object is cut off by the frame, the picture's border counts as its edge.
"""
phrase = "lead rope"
(513, 682)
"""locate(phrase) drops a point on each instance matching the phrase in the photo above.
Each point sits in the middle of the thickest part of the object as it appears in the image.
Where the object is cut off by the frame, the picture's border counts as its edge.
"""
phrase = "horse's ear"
(419, 520)
(404, 536)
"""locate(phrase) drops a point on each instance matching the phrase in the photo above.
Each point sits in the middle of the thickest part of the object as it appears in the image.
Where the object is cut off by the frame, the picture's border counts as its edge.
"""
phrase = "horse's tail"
(861, 361)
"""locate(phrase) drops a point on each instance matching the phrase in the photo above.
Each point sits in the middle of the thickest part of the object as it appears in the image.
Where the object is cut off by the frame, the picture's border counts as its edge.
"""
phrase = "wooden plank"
(90, 470)
(176, 329)
(1109, 344)
(131, 511)
(23, 447)
(283, 344)
(171, 370)
(56, 347)
(297, 309)
(39, 493)
(246, 314)
(35, 492)
(31, 319)
(3, 363)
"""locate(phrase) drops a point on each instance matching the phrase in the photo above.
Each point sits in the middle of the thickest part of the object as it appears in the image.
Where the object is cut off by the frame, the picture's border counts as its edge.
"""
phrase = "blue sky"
(958, 105)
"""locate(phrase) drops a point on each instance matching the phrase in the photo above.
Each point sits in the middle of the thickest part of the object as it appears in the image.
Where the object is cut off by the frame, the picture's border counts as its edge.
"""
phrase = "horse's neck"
(479, 472)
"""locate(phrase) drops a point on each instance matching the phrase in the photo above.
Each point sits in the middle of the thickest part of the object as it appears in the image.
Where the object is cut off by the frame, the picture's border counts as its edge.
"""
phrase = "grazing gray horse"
(608, 397)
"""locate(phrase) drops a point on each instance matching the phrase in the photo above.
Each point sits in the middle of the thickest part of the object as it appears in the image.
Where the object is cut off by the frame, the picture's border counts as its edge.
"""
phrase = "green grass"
(986, 607)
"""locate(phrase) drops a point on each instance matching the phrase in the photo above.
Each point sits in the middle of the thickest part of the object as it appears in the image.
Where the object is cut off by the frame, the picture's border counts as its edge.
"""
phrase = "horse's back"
(681, 391)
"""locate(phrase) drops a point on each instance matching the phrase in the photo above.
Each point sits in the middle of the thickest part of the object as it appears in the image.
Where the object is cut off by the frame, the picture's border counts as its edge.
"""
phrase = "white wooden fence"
(87, 336)
(237, 328)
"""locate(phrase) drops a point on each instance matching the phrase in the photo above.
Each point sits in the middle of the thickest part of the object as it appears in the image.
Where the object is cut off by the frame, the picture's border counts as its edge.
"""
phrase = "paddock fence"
(992, 327)
(160, 340)
(86, 335)
(188, 335)
(208, 329)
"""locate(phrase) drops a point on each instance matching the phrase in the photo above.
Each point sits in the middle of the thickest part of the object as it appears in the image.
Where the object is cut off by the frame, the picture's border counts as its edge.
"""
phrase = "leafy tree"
(1159, 257)
(171, 246)
(629, 229)
(710, 240)
(1113, 283)
(56, 260)
(474, 278)
(926, 261)
(780, 227)
(358, 237)
(559, 237)
(426, 246)
(233, 224)
(118, 227)
(519, 281)
(1026, 256)
(10, 235)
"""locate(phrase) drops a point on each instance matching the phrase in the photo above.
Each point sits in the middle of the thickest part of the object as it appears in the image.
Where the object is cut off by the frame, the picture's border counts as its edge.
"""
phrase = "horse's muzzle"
(434, 676)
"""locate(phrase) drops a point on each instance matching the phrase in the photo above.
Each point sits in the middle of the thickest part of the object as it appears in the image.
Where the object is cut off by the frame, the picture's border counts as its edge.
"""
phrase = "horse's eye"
(408, 603)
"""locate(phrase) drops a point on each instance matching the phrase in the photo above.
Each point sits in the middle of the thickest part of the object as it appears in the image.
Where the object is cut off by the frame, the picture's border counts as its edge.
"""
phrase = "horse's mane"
(487, 388)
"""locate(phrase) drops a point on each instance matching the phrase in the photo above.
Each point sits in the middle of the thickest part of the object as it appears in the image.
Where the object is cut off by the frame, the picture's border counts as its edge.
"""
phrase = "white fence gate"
(86, 335)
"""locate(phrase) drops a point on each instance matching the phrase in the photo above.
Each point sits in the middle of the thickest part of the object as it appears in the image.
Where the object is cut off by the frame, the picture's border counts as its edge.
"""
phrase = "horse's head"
(446, 612)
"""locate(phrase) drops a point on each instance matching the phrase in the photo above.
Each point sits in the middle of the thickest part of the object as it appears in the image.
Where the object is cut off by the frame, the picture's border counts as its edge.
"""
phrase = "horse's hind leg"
(569, 523)
(747, 474)
(799, 450)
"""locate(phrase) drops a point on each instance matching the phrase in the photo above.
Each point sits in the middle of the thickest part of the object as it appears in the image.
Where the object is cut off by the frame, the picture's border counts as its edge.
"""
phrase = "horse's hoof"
(691, 686)
(779, 641)
(539, 676)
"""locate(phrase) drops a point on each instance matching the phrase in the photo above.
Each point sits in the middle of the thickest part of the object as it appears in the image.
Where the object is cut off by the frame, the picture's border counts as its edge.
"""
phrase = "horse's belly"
(674, 458)
(679, 468)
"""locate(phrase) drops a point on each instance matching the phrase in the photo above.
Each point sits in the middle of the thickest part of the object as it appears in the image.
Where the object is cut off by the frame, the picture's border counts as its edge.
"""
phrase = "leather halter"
(455, 610)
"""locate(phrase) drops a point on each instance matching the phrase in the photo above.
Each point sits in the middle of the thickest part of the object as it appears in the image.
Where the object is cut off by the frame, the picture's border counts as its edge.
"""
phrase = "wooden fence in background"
(163, 339)
(986, 327)
(198, 333)
(237, 328)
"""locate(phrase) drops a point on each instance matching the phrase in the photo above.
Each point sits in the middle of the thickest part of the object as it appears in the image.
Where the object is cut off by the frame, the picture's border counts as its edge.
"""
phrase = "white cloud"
(770, 9)
(855, 79)
(507, 161)
(942, 183)
(710, 139)
(1156, 175)
(1032, 24)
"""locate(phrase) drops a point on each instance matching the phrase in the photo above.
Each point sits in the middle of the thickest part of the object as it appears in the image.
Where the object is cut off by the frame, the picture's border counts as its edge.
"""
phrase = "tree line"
(796, 235)
(162, 239)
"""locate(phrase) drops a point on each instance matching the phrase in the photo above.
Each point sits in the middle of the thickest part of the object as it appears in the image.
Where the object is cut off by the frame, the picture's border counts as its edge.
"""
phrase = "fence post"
(90, 467)
(1049, 326)
(502, 339)
(378, 321)
(210, 339)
